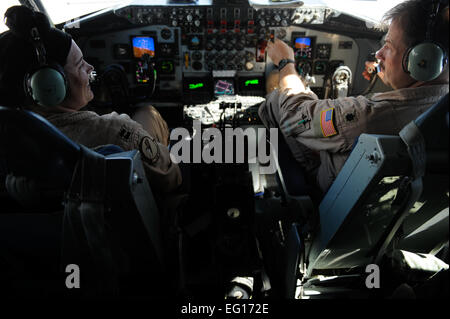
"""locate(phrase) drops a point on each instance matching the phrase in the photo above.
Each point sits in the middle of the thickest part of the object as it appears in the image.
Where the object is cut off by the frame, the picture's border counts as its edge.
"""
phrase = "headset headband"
(432, 20)
(38, 45)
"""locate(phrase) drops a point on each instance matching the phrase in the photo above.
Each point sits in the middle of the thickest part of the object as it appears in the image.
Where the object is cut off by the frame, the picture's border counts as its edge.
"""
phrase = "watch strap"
(284, 62)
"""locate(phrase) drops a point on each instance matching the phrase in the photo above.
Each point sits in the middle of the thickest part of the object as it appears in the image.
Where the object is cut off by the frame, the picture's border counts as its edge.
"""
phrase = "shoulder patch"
(326, 122)
(149, 149)
(125, 133)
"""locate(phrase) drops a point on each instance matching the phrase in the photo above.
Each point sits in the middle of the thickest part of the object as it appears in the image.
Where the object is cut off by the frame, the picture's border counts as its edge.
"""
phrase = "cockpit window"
(369, 10)
(62, 11)
(4, 5)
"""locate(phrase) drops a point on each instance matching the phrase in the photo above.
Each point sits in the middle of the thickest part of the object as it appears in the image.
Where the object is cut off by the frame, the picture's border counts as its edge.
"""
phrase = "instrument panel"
(198, 53)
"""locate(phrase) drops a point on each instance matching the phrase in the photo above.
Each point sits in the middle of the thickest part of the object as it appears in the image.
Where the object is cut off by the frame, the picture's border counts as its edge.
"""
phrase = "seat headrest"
(433, 124)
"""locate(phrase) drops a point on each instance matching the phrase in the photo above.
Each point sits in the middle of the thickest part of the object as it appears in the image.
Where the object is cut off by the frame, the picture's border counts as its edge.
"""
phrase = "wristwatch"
(283, 63)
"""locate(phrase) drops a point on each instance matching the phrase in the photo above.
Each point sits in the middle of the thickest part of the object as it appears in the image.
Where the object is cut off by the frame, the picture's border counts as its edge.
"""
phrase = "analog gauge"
(281, 33)
(320, 67)
(166, 33)
(249, 56)
(196, 55)
(304, 68)
(323, 51)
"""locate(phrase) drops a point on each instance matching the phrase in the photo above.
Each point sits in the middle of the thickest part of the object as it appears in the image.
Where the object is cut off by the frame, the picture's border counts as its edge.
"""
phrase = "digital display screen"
(302, 43)
(223, 87)
(197, 89)
(195, 86)
(143, 45)
(142, 72)
(195, 42)
(251, 85)
(303, 47)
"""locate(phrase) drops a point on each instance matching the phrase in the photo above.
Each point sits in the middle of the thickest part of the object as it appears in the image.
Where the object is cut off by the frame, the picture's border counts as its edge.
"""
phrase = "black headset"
(426, 61)
(46, 84)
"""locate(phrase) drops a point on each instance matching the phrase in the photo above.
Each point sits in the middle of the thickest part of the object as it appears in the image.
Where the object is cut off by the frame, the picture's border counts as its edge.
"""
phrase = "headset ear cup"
(47, 86)
(426, 61)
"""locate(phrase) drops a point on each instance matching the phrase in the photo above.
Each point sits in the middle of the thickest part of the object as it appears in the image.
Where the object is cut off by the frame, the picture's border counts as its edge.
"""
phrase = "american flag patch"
(326, 123)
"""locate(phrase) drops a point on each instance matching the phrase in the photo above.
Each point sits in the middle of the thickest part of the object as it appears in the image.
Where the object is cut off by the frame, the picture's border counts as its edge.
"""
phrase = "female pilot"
(21, 50)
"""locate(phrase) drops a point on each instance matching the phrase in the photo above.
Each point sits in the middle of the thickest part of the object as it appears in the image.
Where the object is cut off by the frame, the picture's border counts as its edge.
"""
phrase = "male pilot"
(321, 133)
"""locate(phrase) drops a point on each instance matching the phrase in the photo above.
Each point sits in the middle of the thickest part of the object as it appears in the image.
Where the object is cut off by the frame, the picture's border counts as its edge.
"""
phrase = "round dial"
(320, 67)
(166, 33)
(323, 51)
(304, 68)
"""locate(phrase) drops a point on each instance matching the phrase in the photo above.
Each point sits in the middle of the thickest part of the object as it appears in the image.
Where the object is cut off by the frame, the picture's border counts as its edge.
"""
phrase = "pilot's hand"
(278, 50)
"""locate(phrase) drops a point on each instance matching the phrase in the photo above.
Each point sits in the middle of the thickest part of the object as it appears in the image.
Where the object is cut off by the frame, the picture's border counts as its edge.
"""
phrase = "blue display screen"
(302, 43)
(143, 45)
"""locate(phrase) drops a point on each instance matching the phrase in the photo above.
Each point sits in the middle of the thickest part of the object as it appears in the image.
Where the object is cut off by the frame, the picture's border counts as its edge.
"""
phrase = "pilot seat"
(387, 210)
(81, 212)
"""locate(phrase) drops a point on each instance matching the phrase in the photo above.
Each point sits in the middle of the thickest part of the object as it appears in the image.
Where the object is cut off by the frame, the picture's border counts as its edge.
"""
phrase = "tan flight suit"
(323, 147)
(90, 129)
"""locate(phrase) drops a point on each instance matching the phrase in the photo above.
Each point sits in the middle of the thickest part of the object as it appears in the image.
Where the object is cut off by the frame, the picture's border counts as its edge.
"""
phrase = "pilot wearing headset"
(43, 69)
(413, 61)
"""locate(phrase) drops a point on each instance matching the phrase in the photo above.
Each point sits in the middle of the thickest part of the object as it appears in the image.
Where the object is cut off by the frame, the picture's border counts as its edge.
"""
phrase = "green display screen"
(194, 86)
(252, 82)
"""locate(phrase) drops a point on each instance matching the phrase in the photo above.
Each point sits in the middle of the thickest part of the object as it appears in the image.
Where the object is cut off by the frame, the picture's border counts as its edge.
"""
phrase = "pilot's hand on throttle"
(278, 50)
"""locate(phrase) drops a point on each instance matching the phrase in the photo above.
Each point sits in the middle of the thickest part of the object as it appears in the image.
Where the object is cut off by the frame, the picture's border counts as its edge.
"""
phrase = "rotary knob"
(240, 46)
(229, 46)
(209, 46)
(249, 56)
(220, 57)
(209, 56)
(230, 66)
(166, 33)
(197, 65)
(149, 18)
(229, 56)
(196, 55)
(249, 66)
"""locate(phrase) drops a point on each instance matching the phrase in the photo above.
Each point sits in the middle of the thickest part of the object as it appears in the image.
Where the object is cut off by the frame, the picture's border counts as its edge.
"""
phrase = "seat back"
(388, 183)
(31, 146)
(110, 223)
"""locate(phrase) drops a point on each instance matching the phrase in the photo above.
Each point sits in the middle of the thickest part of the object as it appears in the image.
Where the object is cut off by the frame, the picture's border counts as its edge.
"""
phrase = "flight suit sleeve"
(321, 125)
(162, 173)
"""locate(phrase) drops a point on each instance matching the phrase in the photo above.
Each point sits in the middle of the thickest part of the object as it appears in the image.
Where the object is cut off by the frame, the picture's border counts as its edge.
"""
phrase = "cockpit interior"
(243, 228)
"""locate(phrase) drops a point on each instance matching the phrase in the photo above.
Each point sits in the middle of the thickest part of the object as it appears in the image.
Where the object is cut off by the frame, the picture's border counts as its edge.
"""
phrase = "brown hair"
(413, 16)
